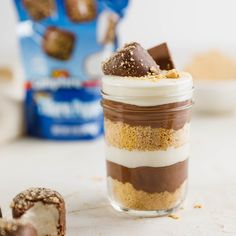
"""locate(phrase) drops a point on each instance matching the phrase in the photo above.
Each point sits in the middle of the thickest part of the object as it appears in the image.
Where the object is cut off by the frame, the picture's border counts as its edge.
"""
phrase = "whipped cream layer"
(145, 91)
(135, 158)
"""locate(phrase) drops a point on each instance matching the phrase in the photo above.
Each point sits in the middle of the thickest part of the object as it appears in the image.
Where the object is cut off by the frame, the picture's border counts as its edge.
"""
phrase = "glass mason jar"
(147, 143)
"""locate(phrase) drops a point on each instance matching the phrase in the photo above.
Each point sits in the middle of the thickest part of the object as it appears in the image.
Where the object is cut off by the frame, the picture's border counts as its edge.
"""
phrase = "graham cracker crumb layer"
(145, 138)
(127, 196)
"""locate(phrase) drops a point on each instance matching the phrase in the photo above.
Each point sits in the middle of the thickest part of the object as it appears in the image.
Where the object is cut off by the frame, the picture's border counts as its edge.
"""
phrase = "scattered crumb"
(175, 217)
(97, 178)
(197, 206)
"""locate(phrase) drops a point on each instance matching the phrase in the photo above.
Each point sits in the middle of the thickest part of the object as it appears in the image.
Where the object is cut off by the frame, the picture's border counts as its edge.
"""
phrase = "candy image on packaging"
(81, 10)
(58, 43)
(39, 10)
(62, 45)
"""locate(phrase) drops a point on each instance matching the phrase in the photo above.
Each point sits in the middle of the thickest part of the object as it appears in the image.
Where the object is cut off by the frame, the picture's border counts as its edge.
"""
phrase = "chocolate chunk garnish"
(16, 228)
(43, 208)
(162, 56)
(132, 60)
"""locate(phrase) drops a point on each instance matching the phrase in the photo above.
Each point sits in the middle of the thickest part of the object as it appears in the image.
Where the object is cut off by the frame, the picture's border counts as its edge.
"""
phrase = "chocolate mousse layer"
(167, 116)
(150, 179)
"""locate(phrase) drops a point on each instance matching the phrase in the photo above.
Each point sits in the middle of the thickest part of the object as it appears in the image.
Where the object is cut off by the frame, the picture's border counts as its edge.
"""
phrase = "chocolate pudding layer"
(167, 116)
(150, 179)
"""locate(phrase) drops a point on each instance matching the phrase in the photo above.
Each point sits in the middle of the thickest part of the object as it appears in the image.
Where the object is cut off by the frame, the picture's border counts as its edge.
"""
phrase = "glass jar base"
(140, 213)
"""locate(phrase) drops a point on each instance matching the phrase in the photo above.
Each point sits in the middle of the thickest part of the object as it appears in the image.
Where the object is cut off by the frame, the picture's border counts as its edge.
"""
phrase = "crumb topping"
(171, 74)
(26, 199)
(175, 217)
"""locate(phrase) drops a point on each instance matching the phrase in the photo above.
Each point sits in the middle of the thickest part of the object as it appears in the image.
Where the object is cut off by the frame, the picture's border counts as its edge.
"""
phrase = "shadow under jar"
(147, 142)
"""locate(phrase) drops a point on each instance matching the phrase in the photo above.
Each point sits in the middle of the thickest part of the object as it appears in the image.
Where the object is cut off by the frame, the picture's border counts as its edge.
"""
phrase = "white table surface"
(77, 170)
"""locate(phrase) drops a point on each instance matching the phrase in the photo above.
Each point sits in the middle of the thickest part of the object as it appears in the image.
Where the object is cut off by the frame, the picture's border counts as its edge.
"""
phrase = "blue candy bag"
(62, 45)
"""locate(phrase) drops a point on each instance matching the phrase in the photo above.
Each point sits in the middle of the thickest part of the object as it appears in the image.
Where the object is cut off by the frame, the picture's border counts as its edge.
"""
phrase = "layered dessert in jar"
(147, 117)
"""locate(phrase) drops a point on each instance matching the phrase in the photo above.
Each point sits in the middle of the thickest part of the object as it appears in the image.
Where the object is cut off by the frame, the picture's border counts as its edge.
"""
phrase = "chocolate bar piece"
(81, 10)
(16, 228)
(162, 56)
(0, 213)
(132, 60)
(39, 9)
(58, 43)
(43, 208)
